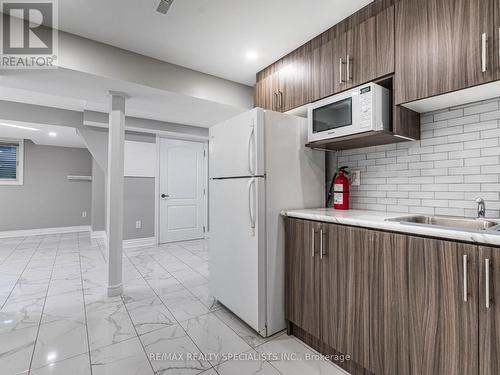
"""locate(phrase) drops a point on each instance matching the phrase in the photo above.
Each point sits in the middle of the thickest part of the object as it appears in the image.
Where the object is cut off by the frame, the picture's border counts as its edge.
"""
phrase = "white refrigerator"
(258, 166)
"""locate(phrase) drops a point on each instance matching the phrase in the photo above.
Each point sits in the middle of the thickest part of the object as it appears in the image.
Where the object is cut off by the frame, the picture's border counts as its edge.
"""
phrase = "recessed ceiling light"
(20, 127)
(53, 134)
(51, 356)
(252, 55)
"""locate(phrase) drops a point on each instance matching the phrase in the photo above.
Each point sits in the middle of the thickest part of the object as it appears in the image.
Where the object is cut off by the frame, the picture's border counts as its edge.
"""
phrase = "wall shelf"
(79, 178)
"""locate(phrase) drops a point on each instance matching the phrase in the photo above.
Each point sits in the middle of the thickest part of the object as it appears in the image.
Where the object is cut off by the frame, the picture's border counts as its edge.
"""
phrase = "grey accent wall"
(47, 199)
(457, 160)
(139, 195)
(98, 217)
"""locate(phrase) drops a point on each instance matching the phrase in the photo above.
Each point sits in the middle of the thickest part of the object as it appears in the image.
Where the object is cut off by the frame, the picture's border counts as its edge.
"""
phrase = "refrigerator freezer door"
(236, 146)
(237, 247)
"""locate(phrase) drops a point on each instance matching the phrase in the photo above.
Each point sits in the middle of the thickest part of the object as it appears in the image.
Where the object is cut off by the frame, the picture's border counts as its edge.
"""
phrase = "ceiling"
(78, 91)
(41, 134)
(211, 36)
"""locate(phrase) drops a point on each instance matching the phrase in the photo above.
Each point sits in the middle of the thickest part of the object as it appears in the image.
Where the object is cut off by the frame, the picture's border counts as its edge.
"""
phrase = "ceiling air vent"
(164, 6)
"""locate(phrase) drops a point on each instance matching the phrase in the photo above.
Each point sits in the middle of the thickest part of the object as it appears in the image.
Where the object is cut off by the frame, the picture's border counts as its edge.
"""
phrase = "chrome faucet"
(481, 208)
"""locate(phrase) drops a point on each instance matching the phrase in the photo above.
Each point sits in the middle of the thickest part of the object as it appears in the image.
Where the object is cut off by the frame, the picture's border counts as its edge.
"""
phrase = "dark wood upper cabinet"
(266, 88)
(370, 49)
(322, 68)
(442, 46)
(489, 311)
(443, 335)
(294, 79)
(496, 34)
(302, 275)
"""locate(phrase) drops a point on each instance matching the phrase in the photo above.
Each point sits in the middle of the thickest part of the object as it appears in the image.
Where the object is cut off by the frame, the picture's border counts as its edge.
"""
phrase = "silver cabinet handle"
(275, 101)
(465, 277)
(484, 37)
(340, 71)
(281, 100)
(313, 235)
(487, 281)
(321, 243)
(348, 68)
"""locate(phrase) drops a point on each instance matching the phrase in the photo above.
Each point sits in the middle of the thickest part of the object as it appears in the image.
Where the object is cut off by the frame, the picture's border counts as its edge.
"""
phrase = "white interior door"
(182, 189)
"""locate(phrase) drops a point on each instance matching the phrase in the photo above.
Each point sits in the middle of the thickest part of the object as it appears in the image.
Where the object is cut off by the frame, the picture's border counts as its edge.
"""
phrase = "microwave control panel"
(365, 103)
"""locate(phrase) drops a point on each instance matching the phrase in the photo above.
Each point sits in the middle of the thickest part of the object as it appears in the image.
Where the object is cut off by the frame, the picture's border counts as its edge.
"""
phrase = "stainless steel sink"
(451, 222)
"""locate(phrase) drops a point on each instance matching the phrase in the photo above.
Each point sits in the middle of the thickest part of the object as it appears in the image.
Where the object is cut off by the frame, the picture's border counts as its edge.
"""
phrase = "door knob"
(165, 195)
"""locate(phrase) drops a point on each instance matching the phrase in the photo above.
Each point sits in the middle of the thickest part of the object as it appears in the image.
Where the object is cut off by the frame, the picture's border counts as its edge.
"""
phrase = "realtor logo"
(29, 34)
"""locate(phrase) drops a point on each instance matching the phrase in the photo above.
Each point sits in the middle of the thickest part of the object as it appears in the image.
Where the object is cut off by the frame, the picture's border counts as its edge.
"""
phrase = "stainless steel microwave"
(358, 110)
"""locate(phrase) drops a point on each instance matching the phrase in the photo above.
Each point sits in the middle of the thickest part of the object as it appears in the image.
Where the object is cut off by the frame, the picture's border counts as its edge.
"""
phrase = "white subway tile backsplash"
(474, 153)
(493, 133)
(450, 211)
(490, 115)
(448, 146)
(481, 108)
(449, 163)
(421, 194)
(458, 179)
(482, 143)
(487, 125)
(456, 161)
(449, 115)
(481, 178)
(487, 160)
(463, 137)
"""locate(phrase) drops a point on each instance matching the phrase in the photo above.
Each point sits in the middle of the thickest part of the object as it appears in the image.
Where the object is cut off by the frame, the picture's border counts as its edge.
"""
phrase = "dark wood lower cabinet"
(388, 270)
(443, 322)
(396, 304)
(302, 293)
(489, 313)
(344, 289)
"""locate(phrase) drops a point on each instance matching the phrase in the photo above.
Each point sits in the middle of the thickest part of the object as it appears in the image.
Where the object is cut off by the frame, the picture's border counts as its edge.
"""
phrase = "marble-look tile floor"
(55, 317)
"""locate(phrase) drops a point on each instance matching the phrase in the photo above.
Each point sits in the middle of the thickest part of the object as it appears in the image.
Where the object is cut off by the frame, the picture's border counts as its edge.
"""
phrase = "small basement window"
(11, 162)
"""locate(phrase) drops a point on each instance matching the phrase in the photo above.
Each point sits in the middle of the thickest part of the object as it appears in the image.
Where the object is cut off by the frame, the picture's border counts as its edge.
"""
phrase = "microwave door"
(335, 119)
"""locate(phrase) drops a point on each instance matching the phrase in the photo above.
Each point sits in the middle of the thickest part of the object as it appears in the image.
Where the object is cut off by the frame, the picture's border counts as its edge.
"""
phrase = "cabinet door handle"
(465, 277)
(321, 243)
(340, 71)
(348, 68)
(487, 282)
(313, 234)
(275, 100)
(484, 37)
(281, 100)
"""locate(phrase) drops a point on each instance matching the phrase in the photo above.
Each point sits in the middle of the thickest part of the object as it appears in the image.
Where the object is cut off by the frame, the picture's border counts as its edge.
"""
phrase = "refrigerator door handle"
(251, 203)
(251, 144)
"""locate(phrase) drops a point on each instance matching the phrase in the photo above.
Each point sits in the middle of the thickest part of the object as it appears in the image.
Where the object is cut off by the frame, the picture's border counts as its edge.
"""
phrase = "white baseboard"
(139, 242)
(43, 231)
(98, 234)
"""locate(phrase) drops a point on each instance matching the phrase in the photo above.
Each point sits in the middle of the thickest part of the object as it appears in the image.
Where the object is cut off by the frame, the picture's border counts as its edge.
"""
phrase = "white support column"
(114, 191)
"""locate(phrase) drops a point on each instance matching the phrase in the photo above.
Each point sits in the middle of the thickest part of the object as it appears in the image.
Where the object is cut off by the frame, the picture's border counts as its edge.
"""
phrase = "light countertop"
(378, 220)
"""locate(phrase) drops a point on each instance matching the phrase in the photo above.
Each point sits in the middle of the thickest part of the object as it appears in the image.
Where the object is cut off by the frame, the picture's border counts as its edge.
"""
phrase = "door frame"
(204, 141)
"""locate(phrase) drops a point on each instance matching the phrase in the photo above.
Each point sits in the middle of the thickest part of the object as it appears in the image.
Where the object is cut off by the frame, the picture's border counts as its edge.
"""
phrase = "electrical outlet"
(138, 224)
(84, 214)
(355, 178)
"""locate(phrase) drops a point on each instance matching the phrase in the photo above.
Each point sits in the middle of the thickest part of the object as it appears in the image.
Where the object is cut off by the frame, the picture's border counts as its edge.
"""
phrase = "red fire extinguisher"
(339, 188)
